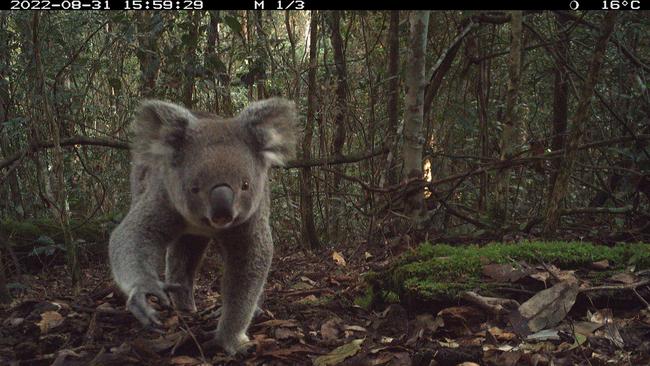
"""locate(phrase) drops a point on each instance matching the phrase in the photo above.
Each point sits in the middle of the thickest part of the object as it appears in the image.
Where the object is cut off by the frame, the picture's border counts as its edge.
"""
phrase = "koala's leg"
(247, 261)
(182, 263)
(136, 251)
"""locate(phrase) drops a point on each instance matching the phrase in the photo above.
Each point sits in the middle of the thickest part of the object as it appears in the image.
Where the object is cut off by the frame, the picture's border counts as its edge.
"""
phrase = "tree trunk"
(389, 175)
(340, 116)
(308, 228)
(578, 126)
(482, 104)
(149, 27)
(413, 105)
(510, 133)
(12, 197)
(5, 296)
(190, 61)
(211, 60)
(560, 97)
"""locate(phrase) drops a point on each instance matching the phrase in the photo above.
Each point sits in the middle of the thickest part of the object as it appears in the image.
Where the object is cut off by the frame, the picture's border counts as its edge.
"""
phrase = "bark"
(482, 102)
(150, 28)
(340, 116)
(308, 228)
(510, 133)
(211, 60)
(190, 60)
(5, 296)
(413, 104)
(13, 198)
(578, 126)
(389, 175)
(441, 67)
(560, 96)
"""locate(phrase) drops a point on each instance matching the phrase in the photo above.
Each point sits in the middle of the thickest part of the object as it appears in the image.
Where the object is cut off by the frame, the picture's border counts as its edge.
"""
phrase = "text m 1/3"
(280, 4)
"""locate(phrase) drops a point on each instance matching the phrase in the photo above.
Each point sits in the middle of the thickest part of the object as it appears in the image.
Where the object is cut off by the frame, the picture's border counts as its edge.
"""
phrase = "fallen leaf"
(401, 359)
(355, 328)
(49, 320)
(381, 359)
(338, 258)
(309, 299)
(579, 340)
(339, 354)
(600, 265)
(509, 358)
(184, 360)
(544, 335)
(285, 333)
(601, 316)
(554, 274)
(449, 343)
(546, 309)
(586, 328)
(367, 255)
(428, 321)
(288, 323)
(308, 280)
(503, 272)
(624, 277)
(501, 335)
(331, 329)
(302, 286)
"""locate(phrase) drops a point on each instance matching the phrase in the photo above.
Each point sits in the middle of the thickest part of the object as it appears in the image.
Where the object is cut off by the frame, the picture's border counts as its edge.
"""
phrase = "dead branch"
(494, 305)
(624, 286)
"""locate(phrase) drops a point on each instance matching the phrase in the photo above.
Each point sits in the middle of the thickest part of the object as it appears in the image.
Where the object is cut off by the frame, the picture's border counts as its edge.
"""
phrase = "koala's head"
(215, 170)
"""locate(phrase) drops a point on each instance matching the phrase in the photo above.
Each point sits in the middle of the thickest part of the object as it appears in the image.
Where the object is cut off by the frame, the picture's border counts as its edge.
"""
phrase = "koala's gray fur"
(180, 159)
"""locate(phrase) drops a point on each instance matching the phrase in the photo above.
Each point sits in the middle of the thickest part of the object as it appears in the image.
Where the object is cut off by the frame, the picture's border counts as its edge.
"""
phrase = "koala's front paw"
(139, 306)
(233, 345)
(183, 299)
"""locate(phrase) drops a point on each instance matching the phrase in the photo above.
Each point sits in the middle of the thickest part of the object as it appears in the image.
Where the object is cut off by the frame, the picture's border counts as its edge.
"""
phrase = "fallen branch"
(494, 305)
(624, 286)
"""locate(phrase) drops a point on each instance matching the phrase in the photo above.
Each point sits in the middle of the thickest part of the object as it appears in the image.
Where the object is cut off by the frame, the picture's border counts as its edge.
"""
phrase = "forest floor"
(309, 317)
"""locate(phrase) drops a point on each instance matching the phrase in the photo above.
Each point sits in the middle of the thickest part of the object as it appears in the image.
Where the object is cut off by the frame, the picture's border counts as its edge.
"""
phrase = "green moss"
(365, 301)
(441, 272)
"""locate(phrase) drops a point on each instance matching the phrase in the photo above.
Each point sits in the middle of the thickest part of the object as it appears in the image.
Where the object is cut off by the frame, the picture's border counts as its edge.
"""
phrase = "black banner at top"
(297, 5)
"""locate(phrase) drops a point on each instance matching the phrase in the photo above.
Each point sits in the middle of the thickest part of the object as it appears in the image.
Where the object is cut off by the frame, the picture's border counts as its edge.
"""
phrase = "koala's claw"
(139, 306)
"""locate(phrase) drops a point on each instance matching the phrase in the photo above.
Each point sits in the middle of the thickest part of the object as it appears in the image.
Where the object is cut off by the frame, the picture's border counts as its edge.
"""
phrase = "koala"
(195, 179)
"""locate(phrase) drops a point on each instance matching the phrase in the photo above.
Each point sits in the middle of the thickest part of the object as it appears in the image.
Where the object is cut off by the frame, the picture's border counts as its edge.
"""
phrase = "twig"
(627, 286)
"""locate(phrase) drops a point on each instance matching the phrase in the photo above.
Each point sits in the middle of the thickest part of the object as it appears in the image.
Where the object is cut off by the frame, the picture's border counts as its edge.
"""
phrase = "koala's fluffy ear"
(273, 125)
(160, 129)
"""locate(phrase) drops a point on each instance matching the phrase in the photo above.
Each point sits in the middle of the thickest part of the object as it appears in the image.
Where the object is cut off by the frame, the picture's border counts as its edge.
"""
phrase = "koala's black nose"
(221, 204)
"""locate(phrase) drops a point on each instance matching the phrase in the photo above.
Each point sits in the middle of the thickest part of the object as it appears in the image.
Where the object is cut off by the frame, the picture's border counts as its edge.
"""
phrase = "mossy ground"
(440, 273)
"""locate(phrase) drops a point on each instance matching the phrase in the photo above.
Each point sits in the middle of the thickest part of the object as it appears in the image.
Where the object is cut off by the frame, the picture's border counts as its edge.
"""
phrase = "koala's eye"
(245, 185)
(194, 190)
